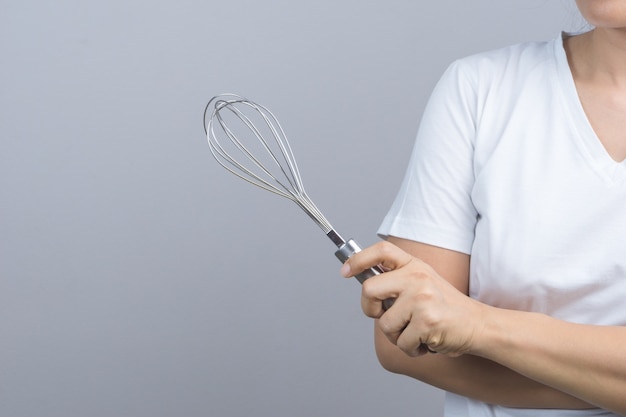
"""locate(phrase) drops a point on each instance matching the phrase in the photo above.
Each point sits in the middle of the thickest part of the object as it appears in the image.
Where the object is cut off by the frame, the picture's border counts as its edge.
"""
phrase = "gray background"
(137, 278)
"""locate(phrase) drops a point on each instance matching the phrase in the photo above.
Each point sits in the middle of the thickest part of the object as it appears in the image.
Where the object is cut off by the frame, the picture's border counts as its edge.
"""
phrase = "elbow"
(389, 363)
(389, 356)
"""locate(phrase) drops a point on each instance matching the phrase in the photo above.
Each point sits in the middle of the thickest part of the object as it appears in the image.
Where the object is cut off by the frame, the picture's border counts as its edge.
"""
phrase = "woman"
(508, 237)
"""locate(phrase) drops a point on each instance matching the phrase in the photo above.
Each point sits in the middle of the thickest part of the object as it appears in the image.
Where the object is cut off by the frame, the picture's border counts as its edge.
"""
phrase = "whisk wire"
(228, 162)
(277, 149)
(290, 175)
(223, 156)
(290, 186)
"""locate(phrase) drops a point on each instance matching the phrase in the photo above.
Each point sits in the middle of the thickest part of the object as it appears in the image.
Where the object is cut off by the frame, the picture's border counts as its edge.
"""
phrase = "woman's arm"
(467, 375)
(585, 361)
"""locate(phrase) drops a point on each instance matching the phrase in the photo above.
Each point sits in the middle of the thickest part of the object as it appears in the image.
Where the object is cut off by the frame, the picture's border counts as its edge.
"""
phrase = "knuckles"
(370, 304)
(385, 248)
(388, 327)
(368, 288)
(421, 315)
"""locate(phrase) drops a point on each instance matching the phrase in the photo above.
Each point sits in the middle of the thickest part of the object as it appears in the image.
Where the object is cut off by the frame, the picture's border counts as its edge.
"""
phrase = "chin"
(609, 14)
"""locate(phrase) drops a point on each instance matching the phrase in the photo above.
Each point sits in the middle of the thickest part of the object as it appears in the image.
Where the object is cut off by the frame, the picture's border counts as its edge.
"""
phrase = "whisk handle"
(348, 249)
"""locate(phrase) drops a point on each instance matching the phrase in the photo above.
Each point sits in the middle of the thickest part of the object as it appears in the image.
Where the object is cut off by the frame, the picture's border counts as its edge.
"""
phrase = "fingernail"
(345, 270)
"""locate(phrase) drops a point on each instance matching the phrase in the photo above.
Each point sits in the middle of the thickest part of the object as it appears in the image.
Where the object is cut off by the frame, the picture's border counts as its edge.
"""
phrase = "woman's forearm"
(519, 359)
(586, 361)
(475, 377)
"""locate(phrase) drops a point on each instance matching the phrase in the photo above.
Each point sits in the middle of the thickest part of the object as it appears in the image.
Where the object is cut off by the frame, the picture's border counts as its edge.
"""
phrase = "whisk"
(247, 140)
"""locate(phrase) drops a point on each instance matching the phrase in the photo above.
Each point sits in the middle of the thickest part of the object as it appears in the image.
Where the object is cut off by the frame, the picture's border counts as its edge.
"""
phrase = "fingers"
(406, 332)
(417, 338)
(376, 290)
(412, 322)
(383, 253)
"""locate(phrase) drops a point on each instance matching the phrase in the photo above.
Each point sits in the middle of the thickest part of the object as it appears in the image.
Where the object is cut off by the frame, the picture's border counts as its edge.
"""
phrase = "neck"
(599, 56)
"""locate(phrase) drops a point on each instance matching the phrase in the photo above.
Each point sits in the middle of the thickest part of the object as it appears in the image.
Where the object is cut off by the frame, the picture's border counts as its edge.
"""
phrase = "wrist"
(493, 332)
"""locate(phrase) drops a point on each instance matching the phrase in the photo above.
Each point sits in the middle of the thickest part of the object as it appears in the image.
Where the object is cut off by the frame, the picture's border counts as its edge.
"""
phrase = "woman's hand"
(428, 311)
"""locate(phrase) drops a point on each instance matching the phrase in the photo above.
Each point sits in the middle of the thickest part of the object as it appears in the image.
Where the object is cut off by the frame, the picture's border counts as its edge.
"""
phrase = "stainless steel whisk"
(266, 160)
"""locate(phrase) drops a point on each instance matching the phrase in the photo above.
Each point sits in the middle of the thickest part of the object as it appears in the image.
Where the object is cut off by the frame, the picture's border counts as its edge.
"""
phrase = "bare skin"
(495, 355)
(578, 366)
(598, 62)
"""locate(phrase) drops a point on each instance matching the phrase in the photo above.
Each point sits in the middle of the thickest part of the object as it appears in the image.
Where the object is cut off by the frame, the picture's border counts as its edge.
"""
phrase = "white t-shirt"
(507, 168)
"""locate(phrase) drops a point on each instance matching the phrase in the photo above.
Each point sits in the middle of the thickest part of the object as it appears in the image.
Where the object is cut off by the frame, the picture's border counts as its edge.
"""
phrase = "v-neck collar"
(588, 140)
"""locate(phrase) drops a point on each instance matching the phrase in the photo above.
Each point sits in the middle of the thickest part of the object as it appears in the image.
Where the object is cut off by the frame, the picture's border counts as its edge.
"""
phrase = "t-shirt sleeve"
(434, 204)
